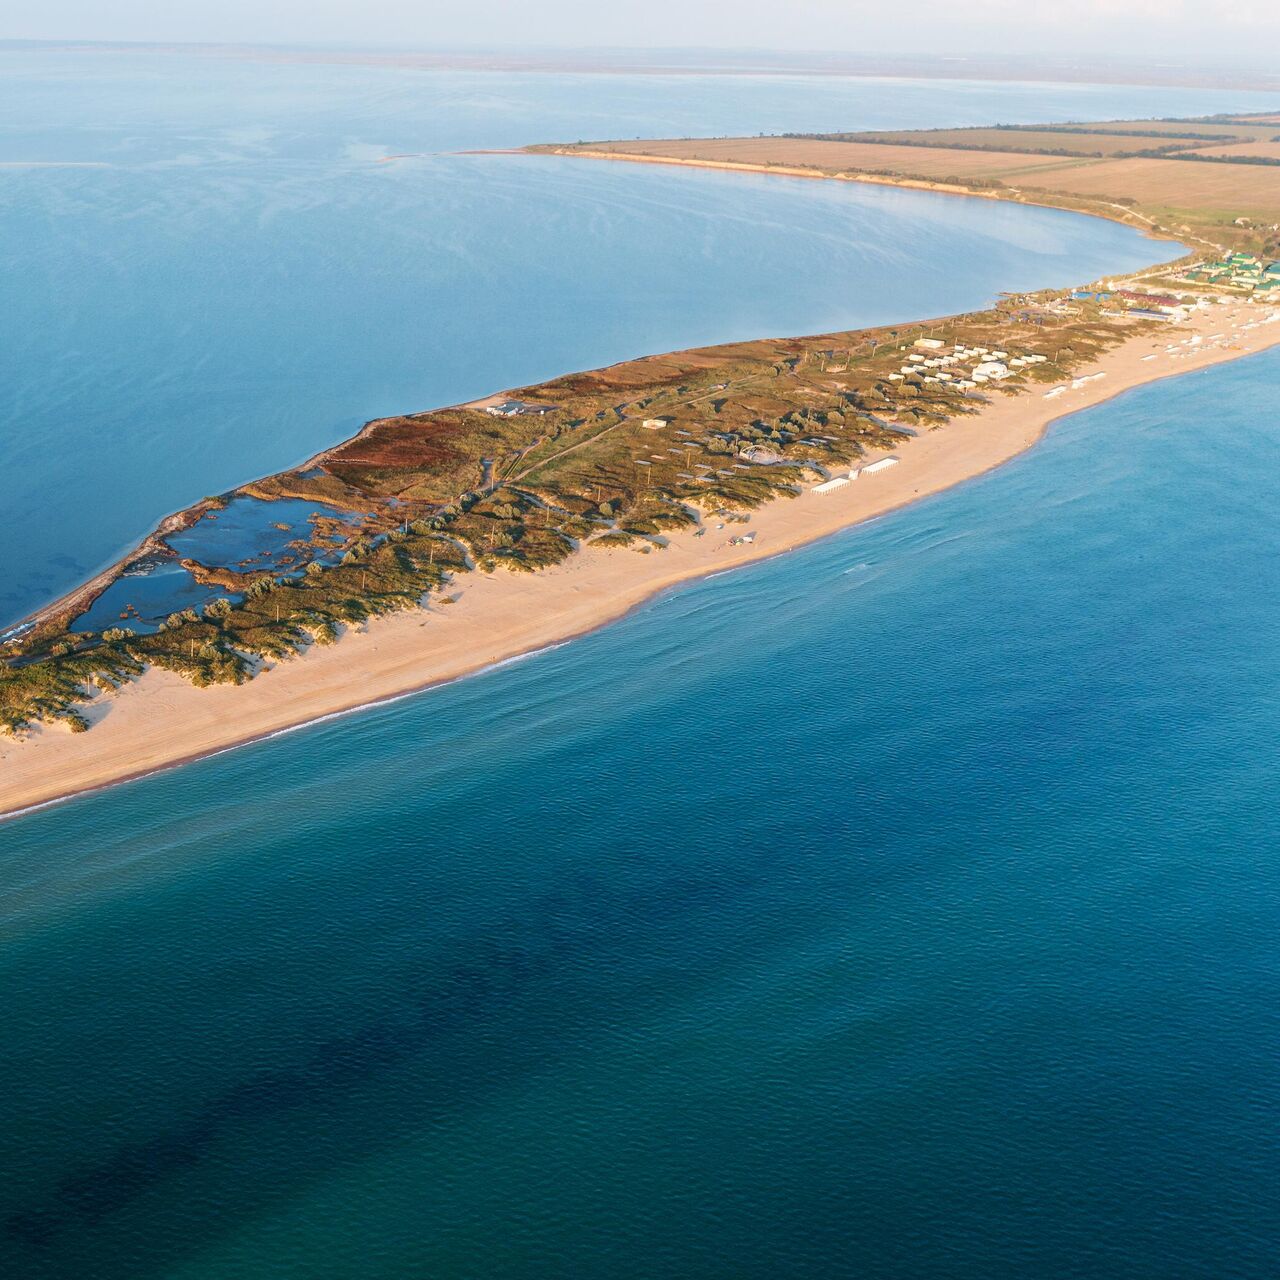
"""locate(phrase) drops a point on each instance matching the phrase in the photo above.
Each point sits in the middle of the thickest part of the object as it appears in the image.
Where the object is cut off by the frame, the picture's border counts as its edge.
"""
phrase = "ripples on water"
(914, 920)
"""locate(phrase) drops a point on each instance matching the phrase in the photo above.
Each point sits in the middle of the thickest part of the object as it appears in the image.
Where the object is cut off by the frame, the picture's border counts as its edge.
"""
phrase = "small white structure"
(991, 369)
(517, 408)
(654, 424)
(829, 486)
(929, 344)
(883, 465)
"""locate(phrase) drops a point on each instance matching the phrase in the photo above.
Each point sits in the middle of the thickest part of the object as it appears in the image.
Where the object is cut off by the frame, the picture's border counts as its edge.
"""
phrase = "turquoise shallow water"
(902, 907)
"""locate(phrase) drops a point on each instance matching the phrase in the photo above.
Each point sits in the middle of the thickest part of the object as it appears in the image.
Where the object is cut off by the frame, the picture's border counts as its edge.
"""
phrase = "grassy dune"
(620, 457)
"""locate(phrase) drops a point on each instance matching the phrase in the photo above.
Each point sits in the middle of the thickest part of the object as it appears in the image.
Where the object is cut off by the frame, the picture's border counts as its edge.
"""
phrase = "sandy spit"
(161, 720)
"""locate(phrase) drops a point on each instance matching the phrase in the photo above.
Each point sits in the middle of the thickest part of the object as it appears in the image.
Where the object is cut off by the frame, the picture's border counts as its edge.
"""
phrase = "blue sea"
(901, 907)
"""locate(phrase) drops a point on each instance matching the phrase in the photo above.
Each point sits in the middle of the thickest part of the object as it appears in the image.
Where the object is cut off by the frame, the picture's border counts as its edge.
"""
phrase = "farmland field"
(832, 157)
(1241, 150)
(1176, 185)
(1029, 140)
(1256, 129)
(1174, 191)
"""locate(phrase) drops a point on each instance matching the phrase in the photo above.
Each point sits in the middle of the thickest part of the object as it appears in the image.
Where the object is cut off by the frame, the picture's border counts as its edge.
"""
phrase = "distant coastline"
(706, 62)
(1110, 213)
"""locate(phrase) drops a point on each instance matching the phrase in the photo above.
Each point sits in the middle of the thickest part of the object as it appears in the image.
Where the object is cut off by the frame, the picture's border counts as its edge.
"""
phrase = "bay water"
(210, 273)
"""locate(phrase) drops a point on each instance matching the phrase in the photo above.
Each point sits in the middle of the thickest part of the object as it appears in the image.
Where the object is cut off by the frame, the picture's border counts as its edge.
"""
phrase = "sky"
(1181, 31)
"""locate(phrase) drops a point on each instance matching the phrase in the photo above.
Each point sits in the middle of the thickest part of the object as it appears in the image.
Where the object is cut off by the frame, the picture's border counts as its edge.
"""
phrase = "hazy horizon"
(1186, 32)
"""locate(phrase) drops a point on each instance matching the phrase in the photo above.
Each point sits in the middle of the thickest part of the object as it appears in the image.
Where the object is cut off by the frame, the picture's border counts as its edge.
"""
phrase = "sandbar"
(160, 720)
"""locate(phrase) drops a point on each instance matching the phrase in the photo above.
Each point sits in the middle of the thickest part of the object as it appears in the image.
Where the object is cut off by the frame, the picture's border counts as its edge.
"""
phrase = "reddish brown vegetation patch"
(393, 443)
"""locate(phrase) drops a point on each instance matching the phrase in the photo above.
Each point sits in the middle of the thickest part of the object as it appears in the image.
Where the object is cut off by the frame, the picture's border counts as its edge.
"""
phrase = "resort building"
(1237, 271)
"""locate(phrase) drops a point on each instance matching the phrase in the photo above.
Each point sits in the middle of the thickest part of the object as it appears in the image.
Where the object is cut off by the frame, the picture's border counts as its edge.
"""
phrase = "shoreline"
(503, 617)
(1104, 209)
(79, 597)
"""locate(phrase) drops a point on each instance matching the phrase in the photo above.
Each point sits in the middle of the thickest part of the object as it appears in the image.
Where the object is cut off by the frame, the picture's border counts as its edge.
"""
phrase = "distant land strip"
(710, 62)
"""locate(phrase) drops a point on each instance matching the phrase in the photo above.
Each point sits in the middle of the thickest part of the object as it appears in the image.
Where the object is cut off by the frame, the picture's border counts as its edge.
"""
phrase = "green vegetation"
(622, 457)
(1156, 139)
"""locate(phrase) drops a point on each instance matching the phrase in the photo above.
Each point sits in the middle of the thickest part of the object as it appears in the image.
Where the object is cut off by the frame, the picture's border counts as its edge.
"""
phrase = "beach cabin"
(517, 408)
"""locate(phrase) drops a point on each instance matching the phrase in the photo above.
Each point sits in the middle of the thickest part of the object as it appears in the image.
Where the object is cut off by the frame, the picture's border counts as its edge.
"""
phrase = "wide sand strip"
(161, 720)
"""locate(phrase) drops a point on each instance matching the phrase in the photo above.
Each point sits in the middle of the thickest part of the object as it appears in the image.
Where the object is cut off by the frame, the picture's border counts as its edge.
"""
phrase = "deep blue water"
(904, 907)
(242, 284)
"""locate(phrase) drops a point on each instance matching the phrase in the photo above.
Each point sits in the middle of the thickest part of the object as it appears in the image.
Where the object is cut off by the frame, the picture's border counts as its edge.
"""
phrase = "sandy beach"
(161, 720)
